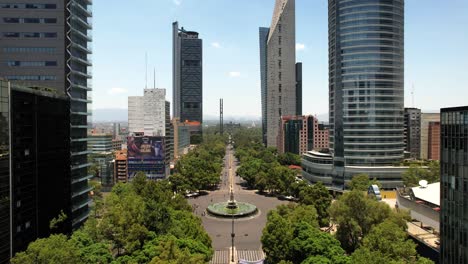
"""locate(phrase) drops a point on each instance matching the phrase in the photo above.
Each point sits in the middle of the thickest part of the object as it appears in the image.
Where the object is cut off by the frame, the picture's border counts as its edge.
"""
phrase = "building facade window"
(31, 77)
(30, 20)
(29, 6)
(31, 63)
(29, 50)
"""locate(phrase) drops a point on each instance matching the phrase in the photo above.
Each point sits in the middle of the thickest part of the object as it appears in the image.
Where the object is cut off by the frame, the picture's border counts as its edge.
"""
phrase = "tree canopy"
(361, 182)
(417, 172)
(355, 214)
(140, 222)
(200, 169)
(291, 235)
(387, 243)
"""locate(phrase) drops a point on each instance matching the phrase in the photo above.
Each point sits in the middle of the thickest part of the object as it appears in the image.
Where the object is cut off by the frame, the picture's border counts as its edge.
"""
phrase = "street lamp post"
(232, 239)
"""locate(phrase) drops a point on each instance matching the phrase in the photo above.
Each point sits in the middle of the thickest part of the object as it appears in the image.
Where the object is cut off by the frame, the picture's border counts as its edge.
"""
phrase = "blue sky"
(436, 51)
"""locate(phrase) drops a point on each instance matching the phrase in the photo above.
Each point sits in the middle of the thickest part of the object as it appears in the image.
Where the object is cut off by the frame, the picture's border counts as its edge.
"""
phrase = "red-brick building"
(299, 134)
(434, 141)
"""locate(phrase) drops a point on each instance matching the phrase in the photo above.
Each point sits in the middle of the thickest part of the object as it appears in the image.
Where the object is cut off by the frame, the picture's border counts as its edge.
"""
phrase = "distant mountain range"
(121, 115)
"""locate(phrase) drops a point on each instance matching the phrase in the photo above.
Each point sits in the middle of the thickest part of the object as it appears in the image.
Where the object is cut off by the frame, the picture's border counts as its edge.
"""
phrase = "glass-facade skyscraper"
(366, 94)
(47, 44)
(366, 74)
(454, 185)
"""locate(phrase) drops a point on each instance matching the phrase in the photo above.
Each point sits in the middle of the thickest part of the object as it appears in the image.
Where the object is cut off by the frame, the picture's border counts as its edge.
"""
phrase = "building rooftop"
(430, 194)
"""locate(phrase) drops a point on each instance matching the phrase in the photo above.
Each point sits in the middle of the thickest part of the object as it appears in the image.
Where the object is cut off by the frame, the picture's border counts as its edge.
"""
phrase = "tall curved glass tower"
(366, 74)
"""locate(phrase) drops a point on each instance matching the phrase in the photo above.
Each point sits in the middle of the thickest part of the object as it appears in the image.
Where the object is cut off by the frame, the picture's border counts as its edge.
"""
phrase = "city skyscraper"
(279, 94)
(47, 45)
(412, 121)
(454, 185)
(35, 184)
(366, 92)
(427, 118)
(187, 75)
(149, 116)
(263, 38)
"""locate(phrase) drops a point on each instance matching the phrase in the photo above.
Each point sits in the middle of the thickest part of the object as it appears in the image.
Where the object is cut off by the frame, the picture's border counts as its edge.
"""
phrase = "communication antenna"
(412, 95)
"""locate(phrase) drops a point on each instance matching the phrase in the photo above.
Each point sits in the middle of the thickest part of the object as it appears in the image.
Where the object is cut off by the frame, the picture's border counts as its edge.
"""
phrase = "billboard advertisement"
(145, 148)
(146, 154)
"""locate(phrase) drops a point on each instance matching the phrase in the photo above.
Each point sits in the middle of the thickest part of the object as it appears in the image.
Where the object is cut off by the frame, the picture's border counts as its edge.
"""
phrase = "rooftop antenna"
(146, 70)
(412, 95)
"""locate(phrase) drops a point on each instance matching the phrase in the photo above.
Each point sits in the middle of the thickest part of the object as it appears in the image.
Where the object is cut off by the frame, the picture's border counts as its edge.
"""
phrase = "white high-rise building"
(147, 113)
(135, 114)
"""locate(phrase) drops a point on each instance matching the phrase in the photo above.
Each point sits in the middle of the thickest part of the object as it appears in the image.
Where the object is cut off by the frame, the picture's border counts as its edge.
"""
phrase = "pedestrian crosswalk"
(222, 256)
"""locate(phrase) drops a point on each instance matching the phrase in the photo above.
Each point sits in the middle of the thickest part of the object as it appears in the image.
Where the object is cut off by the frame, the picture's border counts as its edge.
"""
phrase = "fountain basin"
(225, 209)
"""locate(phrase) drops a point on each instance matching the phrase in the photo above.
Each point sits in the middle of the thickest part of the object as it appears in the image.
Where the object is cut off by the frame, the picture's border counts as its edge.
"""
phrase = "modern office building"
(147, 113)
(292, 135)
(118, 144)
(136, 114)
(187, 75)
(412, 120)
(366, 92)
(263, 39)
(454, 185)
(35, 176)
(47, 44)
(149, 119)
(98, 143)
(115, 130)
(181, 138)
(299, 88)
(299, 134)
(434, 141)
(426, 118)
(280, 93)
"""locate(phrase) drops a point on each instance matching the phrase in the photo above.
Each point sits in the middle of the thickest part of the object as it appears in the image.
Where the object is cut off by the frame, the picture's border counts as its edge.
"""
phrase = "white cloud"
(300, 46)
(216, 45)
(116, 90)
(177, 2)
(234, 74)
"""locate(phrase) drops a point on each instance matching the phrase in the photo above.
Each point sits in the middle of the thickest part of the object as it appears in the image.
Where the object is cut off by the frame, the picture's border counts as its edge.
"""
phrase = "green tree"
(289, 158)
(318, 196)
(56, 249)
(355, 214)
(387, 243)
(291, 235)
(90, 250)
(361, 182)
(58, 221)
(123, 220)
(139, 182)
(417, 172)
(314, 246)
(276, 237)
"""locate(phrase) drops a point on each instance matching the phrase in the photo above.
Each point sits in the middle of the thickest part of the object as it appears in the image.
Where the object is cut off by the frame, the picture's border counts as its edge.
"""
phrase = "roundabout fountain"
(231, 208)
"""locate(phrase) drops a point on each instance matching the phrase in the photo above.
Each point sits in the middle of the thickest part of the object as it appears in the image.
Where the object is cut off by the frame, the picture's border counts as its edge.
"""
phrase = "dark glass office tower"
(366, 67)
(454, 185)
(4, 173)
(34, 167)
(187, 75)
(263, 39)
(412, 121)
(47, 44)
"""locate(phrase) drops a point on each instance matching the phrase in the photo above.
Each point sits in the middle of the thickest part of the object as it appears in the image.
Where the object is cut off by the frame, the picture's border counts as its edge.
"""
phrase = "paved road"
(248, 231)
